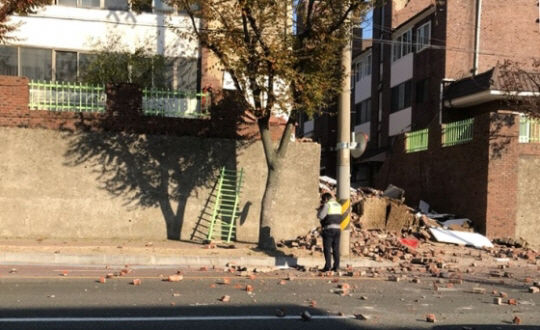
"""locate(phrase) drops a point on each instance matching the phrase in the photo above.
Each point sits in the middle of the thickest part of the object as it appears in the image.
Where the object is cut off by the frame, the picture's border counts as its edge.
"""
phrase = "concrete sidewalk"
(162, 253)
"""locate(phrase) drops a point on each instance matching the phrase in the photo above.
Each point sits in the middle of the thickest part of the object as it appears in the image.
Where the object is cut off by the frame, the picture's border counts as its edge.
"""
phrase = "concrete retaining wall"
(118, 185)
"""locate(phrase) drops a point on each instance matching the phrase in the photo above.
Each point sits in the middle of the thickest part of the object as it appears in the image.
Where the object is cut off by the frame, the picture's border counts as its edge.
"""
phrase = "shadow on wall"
(149, 171)
(499, 138)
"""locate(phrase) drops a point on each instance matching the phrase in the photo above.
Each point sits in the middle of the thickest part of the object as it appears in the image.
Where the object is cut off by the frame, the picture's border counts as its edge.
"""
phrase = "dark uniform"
(330, 216)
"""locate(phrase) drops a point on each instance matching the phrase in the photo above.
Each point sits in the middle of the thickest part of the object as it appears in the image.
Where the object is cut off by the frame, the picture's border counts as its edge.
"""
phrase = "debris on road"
(136, 281)
(225, 299)
(430, 318)
(517, 320)
(175, 278)
(305, 316)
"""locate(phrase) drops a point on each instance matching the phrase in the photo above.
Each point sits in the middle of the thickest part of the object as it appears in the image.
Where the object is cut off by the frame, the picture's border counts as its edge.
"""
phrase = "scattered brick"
(225, 299)
(497, 301)
(203, 269)
(249, 288)
(212, 286)
(175, 278)
(226, 280)
(503, 295)
(512, 302)
(282, 282)
(251, 277)
(534, 289)
(449, 285)
(344, 286)
(110, 275)
(416, 280)
(136, 281)
(456, 281)
(102, 279)
(430, 318)
(517, 320)
(312, 303)
(479, 290)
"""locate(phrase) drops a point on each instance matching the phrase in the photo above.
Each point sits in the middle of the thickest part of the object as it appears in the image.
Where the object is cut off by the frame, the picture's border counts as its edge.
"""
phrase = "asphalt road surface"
(72, 298)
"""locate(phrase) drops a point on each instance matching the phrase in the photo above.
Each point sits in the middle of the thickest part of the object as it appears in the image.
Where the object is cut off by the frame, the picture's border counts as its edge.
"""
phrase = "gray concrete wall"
(102, 185)
(528, 203)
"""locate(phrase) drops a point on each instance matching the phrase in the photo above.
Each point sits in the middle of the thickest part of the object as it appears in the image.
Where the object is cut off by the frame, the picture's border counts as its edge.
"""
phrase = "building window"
(422, 91)
(363, 112)
(363, 68)
(66, 66)
(107, 4)
(149, 6)
(36, 63)
(401, 96)
(423, 36)
(402, 45)
(9, 61)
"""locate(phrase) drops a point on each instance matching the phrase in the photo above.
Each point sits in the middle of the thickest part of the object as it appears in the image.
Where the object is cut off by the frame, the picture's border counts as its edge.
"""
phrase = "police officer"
(329, 213)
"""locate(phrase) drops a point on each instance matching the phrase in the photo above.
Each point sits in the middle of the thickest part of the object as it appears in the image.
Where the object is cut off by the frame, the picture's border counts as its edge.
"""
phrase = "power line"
(440, 47)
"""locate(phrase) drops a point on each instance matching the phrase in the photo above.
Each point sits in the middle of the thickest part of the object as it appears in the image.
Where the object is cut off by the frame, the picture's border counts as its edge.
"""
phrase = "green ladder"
(226, 203)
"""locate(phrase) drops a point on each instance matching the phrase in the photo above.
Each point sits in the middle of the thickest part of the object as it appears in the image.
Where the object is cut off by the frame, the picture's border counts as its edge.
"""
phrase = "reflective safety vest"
(333, 217)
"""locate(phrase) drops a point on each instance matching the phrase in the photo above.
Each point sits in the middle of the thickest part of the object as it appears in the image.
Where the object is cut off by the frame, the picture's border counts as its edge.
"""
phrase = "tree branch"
(286, 137)
(212, 47)
(266, 138)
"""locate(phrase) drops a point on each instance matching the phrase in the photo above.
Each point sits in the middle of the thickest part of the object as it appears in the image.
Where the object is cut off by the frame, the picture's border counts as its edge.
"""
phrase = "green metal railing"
(226, 203)
(529, 130)
(457, 132)
(62, 96)
(78, 97)
(172, 103)
(416, 141)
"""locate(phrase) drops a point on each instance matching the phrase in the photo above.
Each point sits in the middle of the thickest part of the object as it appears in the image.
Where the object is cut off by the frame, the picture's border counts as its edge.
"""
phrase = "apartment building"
(56, 42)
(428, 94)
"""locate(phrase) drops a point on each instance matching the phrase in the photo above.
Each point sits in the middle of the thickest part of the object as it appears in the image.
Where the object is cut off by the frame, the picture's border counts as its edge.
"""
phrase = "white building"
(56, 42)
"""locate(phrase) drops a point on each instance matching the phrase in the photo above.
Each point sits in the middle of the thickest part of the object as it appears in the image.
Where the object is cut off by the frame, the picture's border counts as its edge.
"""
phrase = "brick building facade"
(429, 75)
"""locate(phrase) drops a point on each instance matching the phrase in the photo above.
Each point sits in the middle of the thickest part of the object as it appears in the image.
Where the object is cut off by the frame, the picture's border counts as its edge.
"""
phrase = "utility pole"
(343, 151)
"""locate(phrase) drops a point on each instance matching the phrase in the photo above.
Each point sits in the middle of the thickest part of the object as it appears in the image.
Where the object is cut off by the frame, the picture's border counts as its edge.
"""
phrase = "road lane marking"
(164, 278)
(167, 318)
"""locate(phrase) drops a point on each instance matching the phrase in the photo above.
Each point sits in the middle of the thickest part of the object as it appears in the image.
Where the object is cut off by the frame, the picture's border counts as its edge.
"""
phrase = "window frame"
(401, 96)
(421, 37)
(102, 5)
(403, 45)
(362, 112)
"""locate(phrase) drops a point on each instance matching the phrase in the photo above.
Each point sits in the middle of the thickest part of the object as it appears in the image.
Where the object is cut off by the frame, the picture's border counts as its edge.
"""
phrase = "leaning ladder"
(226, 203)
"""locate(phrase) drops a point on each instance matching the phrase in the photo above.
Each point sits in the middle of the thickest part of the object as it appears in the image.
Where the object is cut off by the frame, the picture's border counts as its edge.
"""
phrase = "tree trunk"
(268, 221)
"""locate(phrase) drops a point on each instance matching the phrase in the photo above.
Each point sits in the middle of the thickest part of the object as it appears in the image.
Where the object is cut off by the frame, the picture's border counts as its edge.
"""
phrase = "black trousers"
(331, 247)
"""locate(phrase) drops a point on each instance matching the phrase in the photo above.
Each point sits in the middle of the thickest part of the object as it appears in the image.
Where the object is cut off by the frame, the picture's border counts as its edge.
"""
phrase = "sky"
(367, 26)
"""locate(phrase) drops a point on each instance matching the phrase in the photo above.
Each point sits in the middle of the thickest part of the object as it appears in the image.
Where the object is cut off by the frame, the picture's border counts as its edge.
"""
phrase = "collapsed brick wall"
(123, 114)
(451, 179)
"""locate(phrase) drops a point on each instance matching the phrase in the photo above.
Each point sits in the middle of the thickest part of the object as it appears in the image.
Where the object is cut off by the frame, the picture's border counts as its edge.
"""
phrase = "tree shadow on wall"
(499, 138)
(157, 170)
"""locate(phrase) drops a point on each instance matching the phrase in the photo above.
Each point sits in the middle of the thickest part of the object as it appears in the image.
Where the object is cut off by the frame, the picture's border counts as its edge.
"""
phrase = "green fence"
(77, 97)
(171, 103)
(416, 141)
(457, 132)
(61, 96)
(529, 130)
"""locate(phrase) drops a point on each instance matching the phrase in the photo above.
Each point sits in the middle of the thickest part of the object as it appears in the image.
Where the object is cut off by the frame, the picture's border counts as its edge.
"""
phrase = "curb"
(157, 260)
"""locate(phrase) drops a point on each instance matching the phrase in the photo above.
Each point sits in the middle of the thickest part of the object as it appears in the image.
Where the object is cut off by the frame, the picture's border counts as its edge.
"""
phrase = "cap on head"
(326, 196)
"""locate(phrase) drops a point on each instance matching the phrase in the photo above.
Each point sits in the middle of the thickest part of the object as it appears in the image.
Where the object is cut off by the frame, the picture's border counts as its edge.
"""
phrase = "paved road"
(43, 298)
